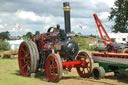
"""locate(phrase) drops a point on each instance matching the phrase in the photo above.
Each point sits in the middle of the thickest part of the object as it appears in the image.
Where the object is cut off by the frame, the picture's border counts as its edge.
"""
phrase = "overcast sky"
(39, 15)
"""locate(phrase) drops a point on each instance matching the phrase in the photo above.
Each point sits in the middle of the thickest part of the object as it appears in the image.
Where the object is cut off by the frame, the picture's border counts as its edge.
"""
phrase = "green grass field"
(10, 75)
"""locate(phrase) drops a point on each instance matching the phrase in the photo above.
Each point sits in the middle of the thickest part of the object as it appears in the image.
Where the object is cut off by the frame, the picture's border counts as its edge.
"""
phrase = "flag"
(80, 26)
(18, 26)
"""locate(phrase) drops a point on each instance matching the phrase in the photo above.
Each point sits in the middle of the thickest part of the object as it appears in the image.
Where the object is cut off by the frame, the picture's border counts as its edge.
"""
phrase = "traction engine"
(54, 52)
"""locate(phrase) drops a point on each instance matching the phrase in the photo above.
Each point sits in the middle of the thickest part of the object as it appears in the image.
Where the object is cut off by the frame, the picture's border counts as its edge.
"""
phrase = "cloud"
(28, 30)
(13, 30)
(1, 26)
(110, 3)
(27, 15)
(0, 21)
(41, 14)
(32, 16)
(104, 15)
(3, 14)
(5, 25)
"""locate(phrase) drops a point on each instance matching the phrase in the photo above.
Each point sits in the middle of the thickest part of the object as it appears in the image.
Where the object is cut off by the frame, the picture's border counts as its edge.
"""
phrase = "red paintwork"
(109, 51)
(100, 26)
(84, 70)
(42, 40)
(53, 73)
(80, 63)
(24, 59)
(73, 63)
(126, 51)
(112, 55)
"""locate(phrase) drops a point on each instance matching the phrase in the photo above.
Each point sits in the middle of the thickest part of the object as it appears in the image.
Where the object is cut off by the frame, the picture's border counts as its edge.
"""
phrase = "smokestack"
(67, 17)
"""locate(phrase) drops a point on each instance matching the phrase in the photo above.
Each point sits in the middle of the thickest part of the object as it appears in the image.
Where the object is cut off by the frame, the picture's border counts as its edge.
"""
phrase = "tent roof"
(15, 41)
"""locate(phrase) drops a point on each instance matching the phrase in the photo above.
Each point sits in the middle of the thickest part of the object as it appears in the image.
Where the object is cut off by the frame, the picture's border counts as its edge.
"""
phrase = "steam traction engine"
(54, 52)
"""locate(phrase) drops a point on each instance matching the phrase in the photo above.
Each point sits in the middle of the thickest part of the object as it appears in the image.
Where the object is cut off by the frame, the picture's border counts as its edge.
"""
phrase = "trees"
(119, 13)
(4, 45)
(4, 35)
(37, 32)
(28, 36)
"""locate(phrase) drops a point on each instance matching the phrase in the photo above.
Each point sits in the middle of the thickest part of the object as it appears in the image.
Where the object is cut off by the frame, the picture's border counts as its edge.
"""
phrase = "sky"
(39, 15)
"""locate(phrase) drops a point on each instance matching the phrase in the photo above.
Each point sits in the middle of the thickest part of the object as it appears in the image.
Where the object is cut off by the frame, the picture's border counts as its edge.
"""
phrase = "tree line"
(119, 14)
(6, 35)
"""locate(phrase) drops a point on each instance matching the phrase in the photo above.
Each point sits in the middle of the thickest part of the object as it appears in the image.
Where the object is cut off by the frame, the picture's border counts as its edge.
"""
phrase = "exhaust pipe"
(67, 17)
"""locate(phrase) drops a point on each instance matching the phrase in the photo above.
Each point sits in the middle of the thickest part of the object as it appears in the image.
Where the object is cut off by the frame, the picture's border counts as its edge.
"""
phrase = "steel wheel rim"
(52, 68)
(85, 69)
(24, 59)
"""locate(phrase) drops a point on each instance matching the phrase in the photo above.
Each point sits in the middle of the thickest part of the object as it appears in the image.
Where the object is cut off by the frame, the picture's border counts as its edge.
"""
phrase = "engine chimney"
(67, 17)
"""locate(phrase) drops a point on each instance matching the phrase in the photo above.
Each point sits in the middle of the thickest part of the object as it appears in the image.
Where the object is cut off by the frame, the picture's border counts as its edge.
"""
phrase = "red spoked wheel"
(85, 69)
(125, 50)
(53, 68)
(28, 58)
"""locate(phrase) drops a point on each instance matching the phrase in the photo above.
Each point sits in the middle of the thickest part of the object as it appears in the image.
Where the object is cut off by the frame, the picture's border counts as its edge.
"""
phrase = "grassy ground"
(10, 75)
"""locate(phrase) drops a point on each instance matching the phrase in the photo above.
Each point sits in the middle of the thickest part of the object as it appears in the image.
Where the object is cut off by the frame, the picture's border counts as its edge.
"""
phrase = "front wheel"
(53, 67)
(84, 70)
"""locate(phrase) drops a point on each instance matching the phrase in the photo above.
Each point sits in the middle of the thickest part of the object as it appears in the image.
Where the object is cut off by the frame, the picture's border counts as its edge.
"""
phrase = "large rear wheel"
(28, 57)
(53, 67)
(84, 70)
